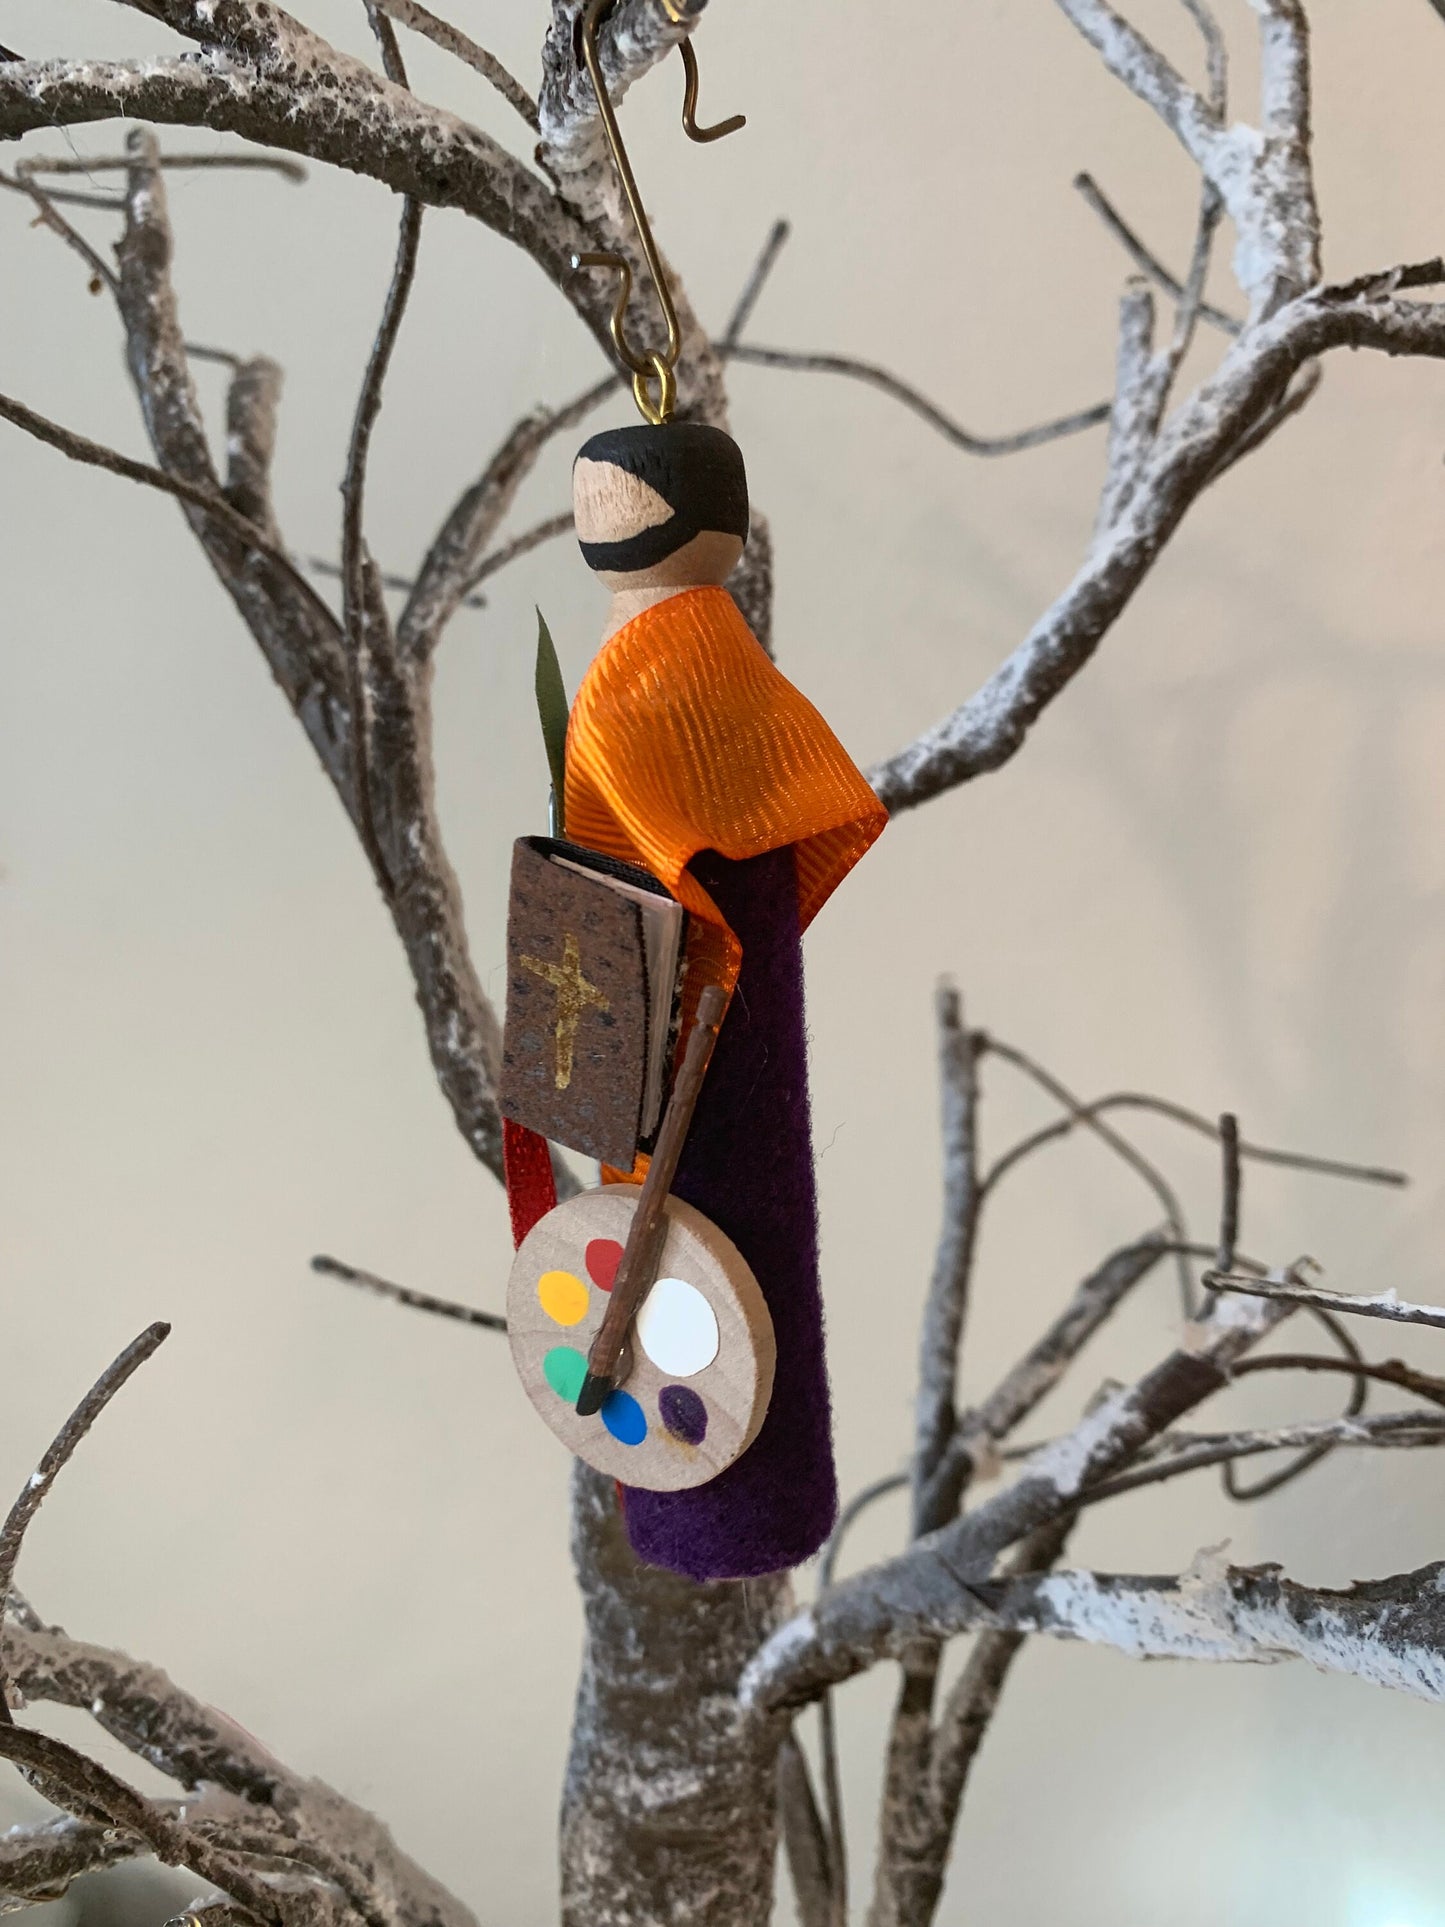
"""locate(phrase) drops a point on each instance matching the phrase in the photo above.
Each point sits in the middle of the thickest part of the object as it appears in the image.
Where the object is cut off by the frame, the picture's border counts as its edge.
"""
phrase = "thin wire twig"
(754, 285)
(490, 565)
(1145, 1168)
(1312, 1454)
(1291, 1291)
(403, 1294)
(452, 40)
(289, 170)
(1385, 1371)
(388, 579)
(801, 362)
(96, 455)
(44, 202)
(1216, 54)
(1195, 1121)
(1148, 263)
(355, 600)
(1393, 1429)
(1229, 1191)
(520, 545)
(827, 1721)
(58, 1454)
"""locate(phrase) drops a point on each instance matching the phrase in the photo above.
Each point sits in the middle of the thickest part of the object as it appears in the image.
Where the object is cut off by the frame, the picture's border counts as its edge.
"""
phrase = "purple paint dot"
(683, 1413)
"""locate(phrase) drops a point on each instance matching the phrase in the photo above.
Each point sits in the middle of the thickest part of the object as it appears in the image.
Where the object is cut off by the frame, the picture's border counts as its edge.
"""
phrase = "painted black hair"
(697, 470)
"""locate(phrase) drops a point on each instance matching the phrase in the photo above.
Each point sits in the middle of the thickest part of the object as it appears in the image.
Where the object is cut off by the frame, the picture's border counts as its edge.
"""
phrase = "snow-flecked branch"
(928, 1592)
(1388, 1632)
(1293, 1290)
(300, 1819)
(634, 37)
(1194, 445)
(304, 648)
(262, 75)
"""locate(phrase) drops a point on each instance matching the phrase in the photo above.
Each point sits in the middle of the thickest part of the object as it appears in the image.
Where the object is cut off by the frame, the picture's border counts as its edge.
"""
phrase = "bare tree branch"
(1300, 389)
(1293, 1291)
(453, 41)
(1147, 263)
(1387, 1371)
(364, 617)
(928, 1592)
(1145, 72)
(1042, 1366)
(803, 1838)
(266, 77)
(38, 1863)
(500, 558)
(1216, 55)
(753, 286)
(101, 271)
(800, 362)
(1138, 400)
(991, 726)
(404, 1295)
(72, 1780)
(88, 164)
(58, 1454)
(1262, 175)
(95, 455)
(904, 1813)
(1229, 1191)
(920, 1848)
(947, 1303)
(1121, 1146)
(253, 399)
(1389, 1632)
(1185, 1454)
(198, 1747)
(450, 570)
(1192, 1120)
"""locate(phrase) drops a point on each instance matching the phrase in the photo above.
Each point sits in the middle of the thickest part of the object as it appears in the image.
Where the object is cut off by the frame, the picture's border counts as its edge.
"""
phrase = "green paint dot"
(564, 1370)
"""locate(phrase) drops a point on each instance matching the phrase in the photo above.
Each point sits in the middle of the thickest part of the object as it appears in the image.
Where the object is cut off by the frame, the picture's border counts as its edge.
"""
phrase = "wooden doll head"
(661, 507)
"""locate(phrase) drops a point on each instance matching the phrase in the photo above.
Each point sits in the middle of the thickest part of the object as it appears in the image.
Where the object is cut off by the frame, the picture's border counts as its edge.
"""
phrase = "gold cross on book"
(574, 995)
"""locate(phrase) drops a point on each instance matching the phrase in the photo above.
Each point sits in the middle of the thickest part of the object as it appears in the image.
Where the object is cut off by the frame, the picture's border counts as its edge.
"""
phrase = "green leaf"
(552, 708)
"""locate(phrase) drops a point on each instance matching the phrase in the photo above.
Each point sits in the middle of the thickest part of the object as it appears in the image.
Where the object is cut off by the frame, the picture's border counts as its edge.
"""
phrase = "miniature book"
(594, 960)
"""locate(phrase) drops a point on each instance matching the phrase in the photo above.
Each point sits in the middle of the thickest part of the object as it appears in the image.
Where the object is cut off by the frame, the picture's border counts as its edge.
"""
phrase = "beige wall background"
(1217, 872)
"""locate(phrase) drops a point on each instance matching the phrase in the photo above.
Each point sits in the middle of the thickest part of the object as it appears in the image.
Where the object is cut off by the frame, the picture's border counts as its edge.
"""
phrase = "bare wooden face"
(612, 506)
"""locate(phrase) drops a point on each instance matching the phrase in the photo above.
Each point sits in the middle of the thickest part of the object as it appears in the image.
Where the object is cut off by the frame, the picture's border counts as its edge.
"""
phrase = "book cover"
(581, 1032)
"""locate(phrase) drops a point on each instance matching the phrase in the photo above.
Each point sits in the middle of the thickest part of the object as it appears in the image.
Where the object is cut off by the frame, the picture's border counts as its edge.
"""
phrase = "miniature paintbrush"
(636, 1271)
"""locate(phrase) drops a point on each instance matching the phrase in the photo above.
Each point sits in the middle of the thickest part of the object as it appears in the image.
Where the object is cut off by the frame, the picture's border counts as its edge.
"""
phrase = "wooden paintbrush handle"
(637, 1268)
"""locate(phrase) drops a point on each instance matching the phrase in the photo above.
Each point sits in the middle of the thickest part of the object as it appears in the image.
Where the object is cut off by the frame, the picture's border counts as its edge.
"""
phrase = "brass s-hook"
(654, 365)
(689, 102)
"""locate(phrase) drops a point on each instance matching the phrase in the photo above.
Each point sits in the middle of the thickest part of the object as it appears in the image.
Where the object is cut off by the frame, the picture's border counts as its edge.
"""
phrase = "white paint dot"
(677, 1328)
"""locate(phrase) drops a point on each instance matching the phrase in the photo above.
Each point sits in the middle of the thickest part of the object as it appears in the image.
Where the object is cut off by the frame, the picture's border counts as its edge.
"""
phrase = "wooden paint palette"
(701, 1349)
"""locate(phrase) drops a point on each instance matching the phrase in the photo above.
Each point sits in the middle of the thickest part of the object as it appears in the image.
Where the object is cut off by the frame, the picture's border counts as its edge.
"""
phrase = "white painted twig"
(1389, 1632)
(1292, 1291)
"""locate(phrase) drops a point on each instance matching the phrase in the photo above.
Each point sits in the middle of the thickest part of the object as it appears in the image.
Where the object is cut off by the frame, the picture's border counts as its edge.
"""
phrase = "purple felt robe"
(748, 1166)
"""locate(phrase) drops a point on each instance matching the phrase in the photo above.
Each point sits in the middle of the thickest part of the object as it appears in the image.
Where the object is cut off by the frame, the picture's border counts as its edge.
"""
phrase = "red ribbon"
(531, 1185)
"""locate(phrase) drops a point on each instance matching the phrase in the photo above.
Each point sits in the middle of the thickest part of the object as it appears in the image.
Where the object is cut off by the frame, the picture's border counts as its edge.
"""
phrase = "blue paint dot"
(622, 1415)
(683, 1413)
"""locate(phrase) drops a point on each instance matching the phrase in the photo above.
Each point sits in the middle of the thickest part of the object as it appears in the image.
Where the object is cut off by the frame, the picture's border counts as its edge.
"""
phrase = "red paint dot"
(604, 1255)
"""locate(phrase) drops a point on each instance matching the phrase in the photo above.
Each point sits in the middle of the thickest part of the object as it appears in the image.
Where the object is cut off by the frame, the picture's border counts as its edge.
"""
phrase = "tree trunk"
(669, 1813)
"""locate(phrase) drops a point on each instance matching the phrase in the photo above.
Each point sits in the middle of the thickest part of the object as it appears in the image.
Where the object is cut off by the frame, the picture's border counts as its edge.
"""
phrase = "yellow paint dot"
(563, 1297)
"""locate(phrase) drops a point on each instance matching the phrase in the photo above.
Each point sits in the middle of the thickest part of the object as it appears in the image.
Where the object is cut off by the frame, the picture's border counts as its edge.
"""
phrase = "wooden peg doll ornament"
(691, 757)
(669, 1326)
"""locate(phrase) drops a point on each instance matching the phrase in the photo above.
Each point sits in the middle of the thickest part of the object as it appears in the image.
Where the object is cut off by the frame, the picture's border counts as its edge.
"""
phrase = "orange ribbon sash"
(685, 737)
